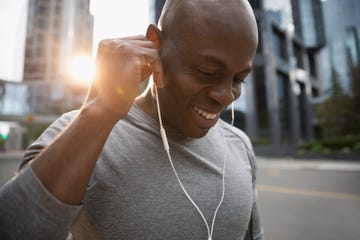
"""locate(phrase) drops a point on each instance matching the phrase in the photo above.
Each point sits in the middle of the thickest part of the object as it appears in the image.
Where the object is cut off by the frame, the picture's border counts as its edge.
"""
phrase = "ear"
(154, 34)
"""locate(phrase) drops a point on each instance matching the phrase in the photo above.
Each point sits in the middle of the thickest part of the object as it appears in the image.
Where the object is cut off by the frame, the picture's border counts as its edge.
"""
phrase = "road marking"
(311, 193)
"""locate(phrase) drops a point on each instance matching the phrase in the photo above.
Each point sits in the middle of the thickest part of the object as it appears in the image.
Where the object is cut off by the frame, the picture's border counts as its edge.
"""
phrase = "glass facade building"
(285, 73)
(342, 30)
(27, 108)
(18, 100)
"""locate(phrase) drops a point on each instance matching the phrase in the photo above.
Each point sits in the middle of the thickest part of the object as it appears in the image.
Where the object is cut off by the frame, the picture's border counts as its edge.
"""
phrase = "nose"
(224, 93)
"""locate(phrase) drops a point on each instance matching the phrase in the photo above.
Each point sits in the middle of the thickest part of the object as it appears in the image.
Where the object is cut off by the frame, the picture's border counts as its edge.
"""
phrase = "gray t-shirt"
(133, 192)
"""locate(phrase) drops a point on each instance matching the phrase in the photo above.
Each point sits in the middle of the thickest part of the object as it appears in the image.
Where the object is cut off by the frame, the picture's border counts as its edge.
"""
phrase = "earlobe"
(153, 33)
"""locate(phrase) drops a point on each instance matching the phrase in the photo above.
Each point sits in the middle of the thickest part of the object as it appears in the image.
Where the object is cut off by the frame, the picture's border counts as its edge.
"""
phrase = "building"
(27, 108)
(57, 30)
(342, 36)
(286, 80)
(158, 5)
(277, 102)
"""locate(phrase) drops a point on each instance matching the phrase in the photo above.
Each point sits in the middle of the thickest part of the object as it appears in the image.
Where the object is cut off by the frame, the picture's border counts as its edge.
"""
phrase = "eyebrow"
(222, 64)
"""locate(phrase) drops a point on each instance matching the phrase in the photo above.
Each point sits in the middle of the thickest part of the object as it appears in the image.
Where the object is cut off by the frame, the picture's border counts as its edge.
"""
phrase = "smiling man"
(101, 172)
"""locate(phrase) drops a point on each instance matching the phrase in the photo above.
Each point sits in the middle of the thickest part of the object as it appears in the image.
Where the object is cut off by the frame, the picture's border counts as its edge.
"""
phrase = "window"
(42, 23)
(298, 55)
(284, 105)
(29, 52)
(312, 64)
(58, 9)
(40, 38)
(315, 92)
(352, 46)
(42, 9)
(302, 100)
(261, 101)
(279, 44)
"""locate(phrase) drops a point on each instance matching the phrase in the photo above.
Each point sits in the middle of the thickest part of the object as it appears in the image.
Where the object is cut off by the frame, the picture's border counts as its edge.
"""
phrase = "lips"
(205, 114)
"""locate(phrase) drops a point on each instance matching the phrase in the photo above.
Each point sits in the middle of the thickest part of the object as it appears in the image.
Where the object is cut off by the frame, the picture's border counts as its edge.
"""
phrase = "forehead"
(221, 48)
(229, 54)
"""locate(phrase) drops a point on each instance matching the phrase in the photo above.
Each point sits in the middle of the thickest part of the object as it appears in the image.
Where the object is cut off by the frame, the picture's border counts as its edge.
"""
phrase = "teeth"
(206, 115)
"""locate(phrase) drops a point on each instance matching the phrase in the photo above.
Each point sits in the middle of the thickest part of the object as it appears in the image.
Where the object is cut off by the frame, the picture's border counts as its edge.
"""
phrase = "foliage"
(339, 115)
(335, 144)
(34, 131)
(261, 141)
(2, 143)
(355, 83)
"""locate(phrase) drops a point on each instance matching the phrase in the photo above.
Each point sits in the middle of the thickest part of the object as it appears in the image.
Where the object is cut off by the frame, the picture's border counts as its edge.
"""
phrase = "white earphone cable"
(232, 113)
(167, 149)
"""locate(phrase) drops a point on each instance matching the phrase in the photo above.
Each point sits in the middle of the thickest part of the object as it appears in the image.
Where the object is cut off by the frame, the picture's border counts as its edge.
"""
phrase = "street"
(307, 201)
(298, 200)
(9, 163)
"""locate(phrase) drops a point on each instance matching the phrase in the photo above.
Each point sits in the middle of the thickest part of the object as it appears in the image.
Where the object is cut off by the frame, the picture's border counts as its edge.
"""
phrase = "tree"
(336, 114)
(355, 98)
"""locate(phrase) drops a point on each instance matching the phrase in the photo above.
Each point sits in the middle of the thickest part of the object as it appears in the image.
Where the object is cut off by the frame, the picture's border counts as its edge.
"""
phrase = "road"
(309, 200)
(8, 165)
(298, 200)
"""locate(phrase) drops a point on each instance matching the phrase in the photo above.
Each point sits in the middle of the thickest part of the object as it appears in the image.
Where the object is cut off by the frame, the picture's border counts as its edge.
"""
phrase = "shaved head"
(201, 17)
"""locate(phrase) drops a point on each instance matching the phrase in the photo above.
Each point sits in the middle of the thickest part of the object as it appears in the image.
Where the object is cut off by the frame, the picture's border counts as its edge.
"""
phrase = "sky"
(112, 18)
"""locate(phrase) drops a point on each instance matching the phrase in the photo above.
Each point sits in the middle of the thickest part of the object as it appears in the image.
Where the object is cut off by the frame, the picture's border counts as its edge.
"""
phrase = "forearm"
(28, 211)
(65, 166)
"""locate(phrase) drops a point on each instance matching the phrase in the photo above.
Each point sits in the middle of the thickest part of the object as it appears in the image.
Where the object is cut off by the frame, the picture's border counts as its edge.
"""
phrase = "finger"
(136, 37)
(153, 61)
(121, 47)
(157, 70)
(143, 43)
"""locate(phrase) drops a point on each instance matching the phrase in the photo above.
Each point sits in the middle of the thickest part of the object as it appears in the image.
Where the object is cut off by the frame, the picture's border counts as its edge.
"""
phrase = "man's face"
(203, 74)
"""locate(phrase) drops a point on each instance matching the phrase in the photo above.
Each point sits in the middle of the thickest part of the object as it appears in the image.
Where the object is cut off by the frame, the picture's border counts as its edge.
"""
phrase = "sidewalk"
(306, 164)
(13, 155)
(287, 163)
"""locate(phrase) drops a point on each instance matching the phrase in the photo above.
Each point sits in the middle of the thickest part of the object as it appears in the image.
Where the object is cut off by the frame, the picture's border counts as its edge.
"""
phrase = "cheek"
(183, 87)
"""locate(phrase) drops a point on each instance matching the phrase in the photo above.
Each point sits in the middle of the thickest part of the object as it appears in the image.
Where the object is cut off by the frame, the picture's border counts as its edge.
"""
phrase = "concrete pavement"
(13, 154)
(288, 163)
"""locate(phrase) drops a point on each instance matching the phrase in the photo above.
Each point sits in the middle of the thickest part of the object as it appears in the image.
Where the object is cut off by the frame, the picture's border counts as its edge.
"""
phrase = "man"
(101, 172)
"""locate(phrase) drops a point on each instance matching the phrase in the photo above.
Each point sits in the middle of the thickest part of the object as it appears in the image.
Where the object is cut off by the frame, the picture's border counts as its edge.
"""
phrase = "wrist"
(95, 109)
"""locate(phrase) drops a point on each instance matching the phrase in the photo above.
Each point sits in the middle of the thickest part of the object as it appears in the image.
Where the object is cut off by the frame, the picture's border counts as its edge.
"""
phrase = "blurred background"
(300, 105)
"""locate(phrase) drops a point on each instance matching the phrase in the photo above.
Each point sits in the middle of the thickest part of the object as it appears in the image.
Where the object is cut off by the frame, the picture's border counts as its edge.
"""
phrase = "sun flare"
(82, 69)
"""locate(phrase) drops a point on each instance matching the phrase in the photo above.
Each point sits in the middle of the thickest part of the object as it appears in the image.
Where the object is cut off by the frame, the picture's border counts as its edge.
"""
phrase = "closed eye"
(207, 72)
(239, 80)
(241, 77)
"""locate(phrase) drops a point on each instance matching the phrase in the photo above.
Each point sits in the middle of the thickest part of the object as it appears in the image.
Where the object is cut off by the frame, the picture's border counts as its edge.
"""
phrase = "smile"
(204, 114)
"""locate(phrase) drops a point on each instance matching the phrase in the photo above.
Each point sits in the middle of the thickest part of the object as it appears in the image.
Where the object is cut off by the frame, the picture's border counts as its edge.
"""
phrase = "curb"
(298, 164)
(11, 155)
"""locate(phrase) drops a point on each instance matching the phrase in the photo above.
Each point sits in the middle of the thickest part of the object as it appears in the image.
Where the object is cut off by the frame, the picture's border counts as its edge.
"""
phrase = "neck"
(146, 102)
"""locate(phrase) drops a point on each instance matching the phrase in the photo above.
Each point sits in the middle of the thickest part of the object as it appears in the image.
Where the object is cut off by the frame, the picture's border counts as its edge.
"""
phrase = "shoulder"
(235, 133)
(66, 117)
